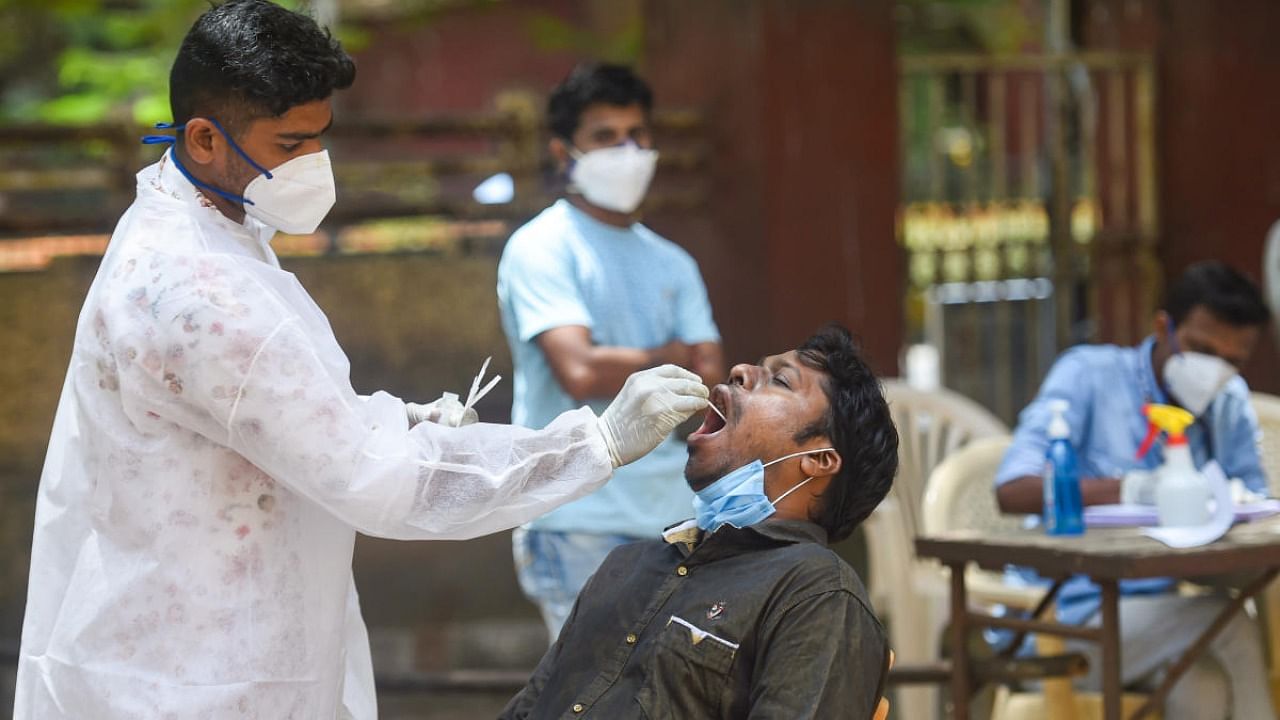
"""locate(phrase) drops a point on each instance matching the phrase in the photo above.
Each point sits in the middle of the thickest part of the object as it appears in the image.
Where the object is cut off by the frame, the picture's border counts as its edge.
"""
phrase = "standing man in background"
(588, 296)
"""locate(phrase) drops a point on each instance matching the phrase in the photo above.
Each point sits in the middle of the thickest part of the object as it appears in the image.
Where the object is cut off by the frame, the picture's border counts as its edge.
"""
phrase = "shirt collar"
(687, 536)
(1146, 373)
(581, 218)
(790, 531)
(684, 533)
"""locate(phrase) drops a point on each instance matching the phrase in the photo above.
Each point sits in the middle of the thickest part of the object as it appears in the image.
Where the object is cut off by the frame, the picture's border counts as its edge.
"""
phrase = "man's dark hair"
(248, 59)
(1230, 296)
(859, 426)
(592, 83)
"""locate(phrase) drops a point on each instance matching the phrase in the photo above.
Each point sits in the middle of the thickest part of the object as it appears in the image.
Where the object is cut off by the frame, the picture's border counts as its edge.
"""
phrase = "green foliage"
(992, 26)
(99, 60)
(624, 45)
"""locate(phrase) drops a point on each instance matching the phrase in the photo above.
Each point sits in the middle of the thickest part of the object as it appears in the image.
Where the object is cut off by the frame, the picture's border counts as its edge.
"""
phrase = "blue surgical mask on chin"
(738, 498)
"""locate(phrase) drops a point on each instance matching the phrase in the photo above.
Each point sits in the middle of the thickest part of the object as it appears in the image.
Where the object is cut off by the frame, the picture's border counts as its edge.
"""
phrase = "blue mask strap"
(1173, 339)
(163, 139)
(169, 139)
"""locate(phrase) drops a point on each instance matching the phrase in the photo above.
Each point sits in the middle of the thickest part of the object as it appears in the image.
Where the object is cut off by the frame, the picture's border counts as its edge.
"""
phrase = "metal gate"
(1029, 211)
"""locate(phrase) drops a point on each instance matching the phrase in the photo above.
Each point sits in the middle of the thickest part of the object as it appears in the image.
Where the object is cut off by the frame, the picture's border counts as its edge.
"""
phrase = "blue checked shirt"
(1107, 386)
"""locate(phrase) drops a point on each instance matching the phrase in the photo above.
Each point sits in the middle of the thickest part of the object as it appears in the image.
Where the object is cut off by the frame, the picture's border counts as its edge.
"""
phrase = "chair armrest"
(989, 588)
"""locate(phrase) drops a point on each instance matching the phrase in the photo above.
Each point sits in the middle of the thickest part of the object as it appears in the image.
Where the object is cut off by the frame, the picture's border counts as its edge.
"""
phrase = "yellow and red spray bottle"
(1182, 493)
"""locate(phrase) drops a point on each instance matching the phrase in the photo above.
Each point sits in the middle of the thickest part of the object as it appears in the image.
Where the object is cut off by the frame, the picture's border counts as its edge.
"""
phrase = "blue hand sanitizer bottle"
(1063, 507)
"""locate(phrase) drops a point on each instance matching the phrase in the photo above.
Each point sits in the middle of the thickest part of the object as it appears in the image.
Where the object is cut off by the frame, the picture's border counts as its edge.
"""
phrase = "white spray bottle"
(1182, 492)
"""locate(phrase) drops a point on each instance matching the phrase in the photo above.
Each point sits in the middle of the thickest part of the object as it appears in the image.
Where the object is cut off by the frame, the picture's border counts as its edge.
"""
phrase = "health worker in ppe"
(210, 462)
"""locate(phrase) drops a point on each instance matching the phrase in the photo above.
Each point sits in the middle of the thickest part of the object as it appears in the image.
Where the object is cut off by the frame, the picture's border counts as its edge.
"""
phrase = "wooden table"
(1107, 556)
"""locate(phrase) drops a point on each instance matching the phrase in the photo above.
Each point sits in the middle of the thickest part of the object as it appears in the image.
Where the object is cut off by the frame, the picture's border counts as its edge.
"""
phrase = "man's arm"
(1025, 495)
(1236, 437)
(1018, 485)
(826, 656)
(707, 360)
(588, 371)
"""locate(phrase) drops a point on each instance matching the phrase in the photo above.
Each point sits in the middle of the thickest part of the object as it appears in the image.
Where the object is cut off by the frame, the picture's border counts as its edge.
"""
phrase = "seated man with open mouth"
(744, 610)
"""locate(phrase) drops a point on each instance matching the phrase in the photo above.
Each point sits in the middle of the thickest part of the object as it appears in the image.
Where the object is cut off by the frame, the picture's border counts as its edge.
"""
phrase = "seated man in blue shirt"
(744, 611)
(1210, 323)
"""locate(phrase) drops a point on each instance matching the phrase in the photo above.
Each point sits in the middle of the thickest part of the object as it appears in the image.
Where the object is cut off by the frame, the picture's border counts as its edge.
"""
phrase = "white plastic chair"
(909, 591)
(960, 496)
(1267, 408)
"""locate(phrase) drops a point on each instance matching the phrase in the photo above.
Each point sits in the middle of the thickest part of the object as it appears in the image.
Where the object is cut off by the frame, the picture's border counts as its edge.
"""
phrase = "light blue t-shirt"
(1107, 386)
(631, 288)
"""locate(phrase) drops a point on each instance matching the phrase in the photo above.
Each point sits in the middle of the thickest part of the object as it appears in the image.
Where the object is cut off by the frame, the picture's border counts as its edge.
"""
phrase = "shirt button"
(682, 571)
(631, 638)
(577, 707)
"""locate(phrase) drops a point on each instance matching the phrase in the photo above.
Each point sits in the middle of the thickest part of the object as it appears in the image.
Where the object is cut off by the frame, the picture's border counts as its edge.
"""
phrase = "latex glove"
(1242, 495)
(447, 410)
(1138, 487)
(650, 405)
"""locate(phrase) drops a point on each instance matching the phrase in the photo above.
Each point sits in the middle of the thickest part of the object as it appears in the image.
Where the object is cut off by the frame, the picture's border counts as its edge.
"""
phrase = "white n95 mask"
(296, 196)
(613, 178)
(1195, 379)
(293, 198)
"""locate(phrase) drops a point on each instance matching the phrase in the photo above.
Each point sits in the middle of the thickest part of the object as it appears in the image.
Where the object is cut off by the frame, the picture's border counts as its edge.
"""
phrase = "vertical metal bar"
(1060, 241)
(1028, 143)
(1120, 307)
(960, 676)
(937, 168)
(1117, 148)
(1147, 265)
(1057, 108)
(1111, 687)
(997, 193)
(907, 85)
(997, 127)
(1087, 111)
(969, 115)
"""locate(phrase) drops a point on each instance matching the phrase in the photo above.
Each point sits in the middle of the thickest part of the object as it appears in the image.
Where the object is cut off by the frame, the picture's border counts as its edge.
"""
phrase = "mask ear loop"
(798, 454)
(172, 140)
(1173, 339)
(784, 495)
(802, 482)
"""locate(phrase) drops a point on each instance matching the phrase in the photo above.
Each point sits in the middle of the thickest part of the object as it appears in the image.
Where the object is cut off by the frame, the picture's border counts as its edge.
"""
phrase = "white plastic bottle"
(1182, 493)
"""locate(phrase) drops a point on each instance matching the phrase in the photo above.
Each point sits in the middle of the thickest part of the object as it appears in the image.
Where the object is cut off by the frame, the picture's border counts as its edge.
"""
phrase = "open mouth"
(713, 422)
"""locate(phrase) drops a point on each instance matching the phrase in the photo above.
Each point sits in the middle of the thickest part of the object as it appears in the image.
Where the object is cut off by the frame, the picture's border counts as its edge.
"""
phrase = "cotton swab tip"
(716, 410)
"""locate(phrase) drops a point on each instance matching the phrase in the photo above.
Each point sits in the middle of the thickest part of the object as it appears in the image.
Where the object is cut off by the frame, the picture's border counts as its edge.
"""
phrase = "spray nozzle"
(1058, 426)
(1172, 421)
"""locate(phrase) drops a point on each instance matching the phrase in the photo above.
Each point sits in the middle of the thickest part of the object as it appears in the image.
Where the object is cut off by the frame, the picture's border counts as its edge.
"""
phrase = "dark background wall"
(1218, 162)
(800, 101)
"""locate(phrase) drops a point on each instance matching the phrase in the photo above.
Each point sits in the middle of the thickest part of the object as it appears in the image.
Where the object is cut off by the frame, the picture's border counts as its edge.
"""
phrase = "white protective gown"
(209, 467)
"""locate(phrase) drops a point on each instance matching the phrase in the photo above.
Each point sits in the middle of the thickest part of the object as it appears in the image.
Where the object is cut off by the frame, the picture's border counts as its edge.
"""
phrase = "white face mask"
(296, 196)
(613, 178)
(293, 198)
(1195, 379)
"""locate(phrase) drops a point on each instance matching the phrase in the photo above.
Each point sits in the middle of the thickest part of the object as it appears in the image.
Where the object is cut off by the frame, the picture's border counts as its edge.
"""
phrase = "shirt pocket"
(688, 675)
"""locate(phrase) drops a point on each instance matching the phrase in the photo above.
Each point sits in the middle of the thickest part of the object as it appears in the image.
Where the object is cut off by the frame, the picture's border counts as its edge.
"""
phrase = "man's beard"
(698, 481)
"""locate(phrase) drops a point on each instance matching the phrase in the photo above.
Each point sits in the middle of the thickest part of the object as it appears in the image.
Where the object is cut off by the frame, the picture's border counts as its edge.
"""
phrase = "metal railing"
(79, 179)
(1036, 168)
